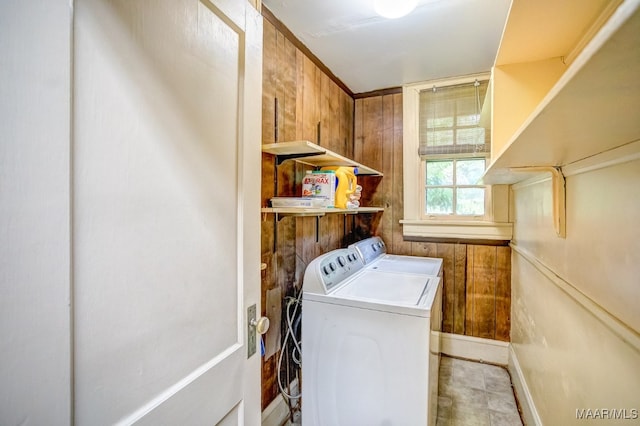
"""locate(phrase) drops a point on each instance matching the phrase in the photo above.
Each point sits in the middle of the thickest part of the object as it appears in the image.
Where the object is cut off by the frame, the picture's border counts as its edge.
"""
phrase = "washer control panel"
(338, 265)
(370, 249)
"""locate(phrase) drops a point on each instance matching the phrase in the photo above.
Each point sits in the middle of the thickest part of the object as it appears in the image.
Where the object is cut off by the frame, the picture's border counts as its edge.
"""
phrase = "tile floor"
(472, 393)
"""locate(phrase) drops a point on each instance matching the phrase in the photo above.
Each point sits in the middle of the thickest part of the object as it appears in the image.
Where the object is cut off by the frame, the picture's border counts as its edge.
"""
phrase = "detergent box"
(320, 184)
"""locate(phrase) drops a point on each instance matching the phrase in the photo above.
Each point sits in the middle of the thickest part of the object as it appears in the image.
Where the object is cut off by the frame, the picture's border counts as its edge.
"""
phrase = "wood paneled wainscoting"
(300, 101)
(477, 276)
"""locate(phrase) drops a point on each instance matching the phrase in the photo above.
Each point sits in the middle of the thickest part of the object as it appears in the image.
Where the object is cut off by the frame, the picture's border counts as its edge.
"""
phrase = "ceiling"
(439, 39)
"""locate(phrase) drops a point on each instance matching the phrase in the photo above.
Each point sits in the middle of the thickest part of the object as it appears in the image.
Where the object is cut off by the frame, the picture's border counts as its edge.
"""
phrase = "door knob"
(260, 325)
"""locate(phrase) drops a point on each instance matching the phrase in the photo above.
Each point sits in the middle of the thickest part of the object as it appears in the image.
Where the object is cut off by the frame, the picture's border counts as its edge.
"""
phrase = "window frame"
(494, 224)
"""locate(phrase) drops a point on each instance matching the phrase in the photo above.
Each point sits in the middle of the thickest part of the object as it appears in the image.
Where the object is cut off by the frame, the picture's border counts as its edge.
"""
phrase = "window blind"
(449, 121)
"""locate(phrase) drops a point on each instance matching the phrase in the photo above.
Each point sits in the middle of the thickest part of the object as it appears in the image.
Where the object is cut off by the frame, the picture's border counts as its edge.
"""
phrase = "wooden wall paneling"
(351, 129)
(309, 96)
(371, 150)
(384, 191)
(358, 128)
(345, 117)
(337, 117)
(356, 150)
(268, 276)
(368, 150)
(312, 249)
(319, 138)
(484, 291)
(300, 89)
(269, 69)
(332, 118)
(400, 246)
(289, 74)
(268, 282)
(284, 90)
(324, 235)
(324, 112)
(447, 253)
(269, 380)
(503, 294)
(285, 227)
(459, 288)
(469, 295)
(424, 249)
(280, 58)
(345, 138)
(285, 253)
(268, 83)
(326, 223)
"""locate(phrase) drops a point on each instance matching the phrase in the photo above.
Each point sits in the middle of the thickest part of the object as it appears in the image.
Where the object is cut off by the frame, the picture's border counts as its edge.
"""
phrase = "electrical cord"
(296, 352)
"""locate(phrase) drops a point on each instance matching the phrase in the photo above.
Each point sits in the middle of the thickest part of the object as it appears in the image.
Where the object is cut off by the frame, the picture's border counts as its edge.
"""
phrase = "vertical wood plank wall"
(309, 105)
(477, 278)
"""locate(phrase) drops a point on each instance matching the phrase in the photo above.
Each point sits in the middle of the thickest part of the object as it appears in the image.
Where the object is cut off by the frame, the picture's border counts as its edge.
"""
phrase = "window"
(451, 187)
(445, 154)
(453, 147)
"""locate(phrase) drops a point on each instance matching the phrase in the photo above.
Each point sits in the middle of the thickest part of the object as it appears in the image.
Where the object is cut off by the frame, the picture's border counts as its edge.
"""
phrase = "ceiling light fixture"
(394, 8)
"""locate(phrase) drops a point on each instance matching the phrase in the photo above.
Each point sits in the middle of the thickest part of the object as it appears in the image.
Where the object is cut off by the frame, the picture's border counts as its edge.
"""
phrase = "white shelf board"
(299, 211)
(316, 155)
(593, 108)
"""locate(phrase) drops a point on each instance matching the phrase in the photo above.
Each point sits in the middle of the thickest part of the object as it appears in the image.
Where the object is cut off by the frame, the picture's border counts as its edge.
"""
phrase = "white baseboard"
(525, 399)
(277, 412)
(475, 348)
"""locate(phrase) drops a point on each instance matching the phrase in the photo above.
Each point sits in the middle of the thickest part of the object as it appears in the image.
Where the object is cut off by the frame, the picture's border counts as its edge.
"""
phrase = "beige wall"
(575, 315)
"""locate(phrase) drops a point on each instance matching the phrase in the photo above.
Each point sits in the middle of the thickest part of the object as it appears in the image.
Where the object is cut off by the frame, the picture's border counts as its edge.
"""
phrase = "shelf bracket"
(559, 196)
(281, 158)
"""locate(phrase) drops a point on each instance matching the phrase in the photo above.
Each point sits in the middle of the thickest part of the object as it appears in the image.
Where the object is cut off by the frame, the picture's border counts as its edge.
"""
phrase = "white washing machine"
(373, 253)
(368, 349)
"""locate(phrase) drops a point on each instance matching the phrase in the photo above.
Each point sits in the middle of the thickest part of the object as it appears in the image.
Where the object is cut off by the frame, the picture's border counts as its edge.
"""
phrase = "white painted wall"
(35, 108)
(575, 317)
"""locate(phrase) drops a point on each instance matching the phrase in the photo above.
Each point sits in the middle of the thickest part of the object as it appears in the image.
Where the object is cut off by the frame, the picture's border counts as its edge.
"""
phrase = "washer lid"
(385, 287)
(409, 264)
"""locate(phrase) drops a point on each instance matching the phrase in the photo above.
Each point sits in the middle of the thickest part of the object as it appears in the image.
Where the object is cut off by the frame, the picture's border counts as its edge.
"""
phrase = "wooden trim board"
(475, 348)
(529, 411)
(277, 411)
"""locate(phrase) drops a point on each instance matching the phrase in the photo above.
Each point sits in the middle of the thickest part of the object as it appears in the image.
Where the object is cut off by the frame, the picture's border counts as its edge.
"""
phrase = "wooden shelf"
(594, 106)
(314, 155)
(296, 211)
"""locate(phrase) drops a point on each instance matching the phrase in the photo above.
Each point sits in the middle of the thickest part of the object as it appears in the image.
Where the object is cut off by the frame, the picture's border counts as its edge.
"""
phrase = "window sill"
(457, 229)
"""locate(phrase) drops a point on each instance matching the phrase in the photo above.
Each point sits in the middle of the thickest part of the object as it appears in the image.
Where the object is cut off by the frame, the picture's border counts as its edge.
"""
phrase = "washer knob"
(341, 261)
(332, 266)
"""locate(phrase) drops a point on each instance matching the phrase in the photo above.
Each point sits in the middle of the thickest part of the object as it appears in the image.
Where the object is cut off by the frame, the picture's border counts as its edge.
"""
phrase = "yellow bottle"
(347, 182)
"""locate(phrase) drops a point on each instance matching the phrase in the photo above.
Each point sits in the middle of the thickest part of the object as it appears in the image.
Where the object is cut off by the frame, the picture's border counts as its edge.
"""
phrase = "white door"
(166, 178)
